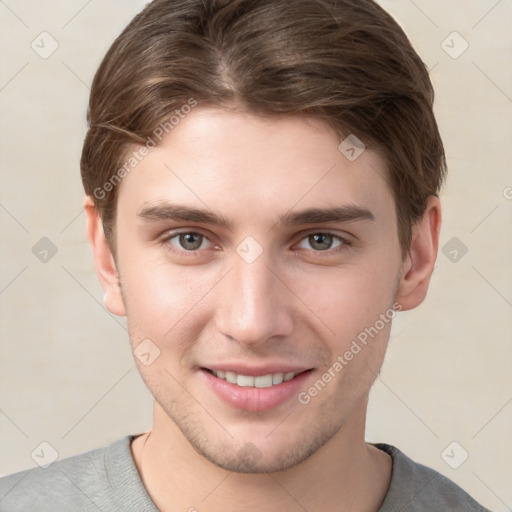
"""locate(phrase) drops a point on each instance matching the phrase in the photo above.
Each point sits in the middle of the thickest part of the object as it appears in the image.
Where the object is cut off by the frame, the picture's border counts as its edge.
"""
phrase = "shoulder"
(418, 488)
(98, 479)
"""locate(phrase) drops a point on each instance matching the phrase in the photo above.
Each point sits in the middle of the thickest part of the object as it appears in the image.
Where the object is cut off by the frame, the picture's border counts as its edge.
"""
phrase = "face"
(253, 250)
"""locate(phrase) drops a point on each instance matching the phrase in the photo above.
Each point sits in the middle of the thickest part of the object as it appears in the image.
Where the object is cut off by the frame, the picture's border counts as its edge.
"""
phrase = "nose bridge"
(253, 307)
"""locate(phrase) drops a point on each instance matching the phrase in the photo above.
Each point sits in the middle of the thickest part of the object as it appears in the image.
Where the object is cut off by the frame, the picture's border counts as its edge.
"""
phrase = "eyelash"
(345, 244)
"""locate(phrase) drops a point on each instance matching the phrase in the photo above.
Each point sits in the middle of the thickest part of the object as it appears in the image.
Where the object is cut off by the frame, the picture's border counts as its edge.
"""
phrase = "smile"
(256, 393)
(248, 381)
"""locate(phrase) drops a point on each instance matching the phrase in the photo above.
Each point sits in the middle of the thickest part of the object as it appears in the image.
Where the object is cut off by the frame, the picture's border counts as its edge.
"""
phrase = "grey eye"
(188, 241)
(321, 241)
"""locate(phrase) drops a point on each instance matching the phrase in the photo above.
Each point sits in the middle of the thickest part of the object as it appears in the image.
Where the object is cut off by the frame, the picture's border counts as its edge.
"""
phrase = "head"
(307, 138)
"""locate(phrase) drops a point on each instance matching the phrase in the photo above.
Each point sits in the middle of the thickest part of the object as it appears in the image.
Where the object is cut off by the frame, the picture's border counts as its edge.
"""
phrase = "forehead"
(253, 167)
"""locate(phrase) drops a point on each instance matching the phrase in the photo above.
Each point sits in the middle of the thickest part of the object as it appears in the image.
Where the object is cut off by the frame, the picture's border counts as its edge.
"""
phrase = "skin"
(295, 303)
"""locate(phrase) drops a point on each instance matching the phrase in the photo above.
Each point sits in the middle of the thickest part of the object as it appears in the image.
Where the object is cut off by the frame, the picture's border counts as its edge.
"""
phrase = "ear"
(104, 260)
(419, 263)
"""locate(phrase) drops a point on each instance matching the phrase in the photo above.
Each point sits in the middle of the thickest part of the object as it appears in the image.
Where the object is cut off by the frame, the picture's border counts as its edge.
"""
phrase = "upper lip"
(257, 370)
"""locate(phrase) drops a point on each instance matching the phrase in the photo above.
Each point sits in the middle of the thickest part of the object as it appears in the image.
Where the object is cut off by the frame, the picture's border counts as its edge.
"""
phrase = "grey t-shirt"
(106, 479)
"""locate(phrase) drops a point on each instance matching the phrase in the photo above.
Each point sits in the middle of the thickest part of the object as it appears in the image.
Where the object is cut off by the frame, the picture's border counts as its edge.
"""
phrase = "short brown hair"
(344, 61)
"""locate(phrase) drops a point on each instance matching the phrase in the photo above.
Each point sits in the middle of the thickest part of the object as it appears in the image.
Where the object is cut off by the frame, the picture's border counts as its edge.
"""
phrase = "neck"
(345, 474)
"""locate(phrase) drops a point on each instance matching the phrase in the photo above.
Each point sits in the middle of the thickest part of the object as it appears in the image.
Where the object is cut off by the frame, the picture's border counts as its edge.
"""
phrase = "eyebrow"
(169, 211)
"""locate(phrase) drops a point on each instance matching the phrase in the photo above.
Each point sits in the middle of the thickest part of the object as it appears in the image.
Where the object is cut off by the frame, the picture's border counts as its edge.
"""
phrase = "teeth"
(231, 377)
(245, 381)
(277, 378)
(248, 381)
(264, 381)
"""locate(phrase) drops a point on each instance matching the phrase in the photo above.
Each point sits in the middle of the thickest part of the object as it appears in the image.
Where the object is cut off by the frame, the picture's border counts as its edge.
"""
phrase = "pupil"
(319, 239)
(188, 239)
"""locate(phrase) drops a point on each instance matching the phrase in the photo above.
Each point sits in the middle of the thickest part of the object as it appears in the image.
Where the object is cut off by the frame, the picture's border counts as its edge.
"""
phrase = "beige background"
(67, 374)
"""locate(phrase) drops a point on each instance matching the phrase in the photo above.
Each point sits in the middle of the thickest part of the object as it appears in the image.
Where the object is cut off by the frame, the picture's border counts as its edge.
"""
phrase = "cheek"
(161, 299)
(347, 299)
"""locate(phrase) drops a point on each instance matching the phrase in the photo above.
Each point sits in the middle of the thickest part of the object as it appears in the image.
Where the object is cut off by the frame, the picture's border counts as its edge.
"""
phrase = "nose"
(254, 303)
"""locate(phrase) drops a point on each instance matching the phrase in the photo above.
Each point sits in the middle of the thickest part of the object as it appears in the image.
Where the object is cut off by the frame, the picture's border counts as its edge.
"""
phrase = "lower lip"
(255, 399)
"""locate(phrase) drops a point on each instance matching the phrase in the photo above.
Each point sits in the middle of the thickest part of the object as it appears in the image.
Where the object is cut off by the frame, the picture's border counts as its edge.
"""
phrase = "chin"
(256, 455)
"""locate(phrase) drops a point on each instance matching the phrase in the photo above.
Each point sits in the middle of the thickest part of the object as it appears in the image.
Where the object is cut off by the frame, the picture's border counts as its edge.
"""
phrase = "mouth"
(255, 393)
(250, 381)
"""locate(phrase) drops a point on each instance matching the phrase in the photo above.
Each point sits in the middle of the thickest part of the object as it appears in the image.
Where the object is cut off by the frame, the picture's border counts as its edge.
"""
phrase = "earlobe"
(103, 260)
(417, 268)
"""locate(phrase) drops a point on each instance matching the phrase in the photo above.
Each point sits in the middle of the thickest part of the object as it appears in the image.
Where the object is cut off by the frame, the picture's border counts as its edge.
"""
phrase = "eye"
(193, 242)
(324, 241)
(187, 241)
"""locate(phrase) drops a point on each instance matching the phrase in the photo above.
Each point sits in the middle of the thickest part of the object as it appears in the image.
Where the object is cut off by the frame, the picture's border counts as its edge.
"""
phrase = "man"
(262, 186)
